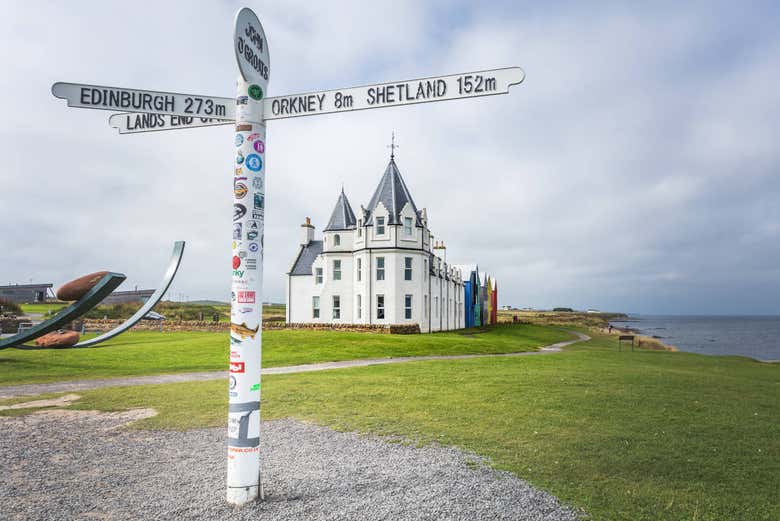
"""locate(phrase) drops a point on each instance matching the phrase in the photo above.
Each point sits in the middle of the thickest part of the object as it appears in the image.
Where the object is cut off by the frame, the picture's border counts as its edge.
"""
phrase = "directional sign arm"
(392, 94)
(144, 101)
(133, 122)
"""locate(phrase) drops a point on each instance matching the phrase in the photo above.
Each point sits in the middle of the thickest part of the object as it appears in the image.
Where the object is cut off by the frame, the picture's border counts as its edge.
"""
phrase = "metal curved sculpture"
(92, 298)
(173, 267)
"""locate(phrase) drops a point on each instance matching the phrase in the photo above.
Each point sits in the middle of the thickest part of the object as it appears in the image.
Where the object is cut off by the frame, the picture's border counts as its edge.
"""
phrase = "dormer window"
(337, 240)
(408, 226)
(360, 227)
(380, 225)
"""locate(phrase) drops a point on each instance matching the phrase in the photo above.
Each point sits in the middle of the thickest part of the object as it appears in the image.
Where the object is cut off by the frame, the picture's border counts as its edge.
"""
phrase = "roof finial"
(392, 146)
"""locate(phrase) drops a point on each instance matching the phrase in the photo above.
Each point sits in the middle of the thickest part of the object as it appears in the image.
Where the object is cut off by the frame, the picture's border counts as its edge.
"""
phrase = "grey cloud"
(635, 169)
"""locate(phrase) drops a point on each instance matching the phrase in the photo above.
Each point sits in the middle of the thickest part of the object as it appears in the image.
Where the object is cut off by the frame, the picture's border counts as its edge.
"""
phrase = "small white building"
(378, 267)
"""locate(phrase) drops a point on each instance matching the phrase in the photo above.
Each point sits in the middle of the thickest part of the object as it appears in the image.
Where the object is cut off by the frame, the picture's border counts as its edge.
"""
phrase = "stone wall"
(393, 329)
(103, 325)
(10, 324)
(193, 325)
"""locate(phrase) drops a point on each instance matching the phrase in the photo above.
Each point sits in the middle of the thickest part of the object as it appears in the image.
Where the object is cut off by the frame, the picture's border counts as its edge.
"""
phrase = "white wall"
(445, 297)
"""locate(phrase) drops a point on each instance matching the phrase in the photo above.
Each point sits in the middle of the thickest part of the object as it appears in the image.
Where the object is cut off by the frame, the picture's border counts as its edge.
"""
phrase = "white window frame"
(359, 269)
(315, 306)
(337, 240)
(408, 307)
(380, 298)
(380, 270)
(336, 299)
(318, 275)
(380, 225)
(408, 226)
(360, 227)
(359, 306)
(336, 269)
(408, 264)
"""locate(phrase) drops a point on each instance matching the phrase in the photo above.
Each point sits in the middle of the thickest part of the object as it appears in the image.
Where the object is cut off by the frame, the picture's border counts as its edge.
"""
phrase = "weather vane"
(392, 146)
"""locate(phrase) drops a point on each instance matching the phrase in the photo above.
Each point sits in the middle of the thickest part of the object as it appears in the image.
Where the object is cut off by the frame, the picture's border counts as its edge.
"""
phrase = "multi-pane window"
(336, 306)
(407, 307)
(380, 225)
(407, 226)
(425, 306)
(360, 306)
(318, 275)
(380, 307)
(315, 307)
(380, 268)
(337, 240)
(407, 268)
(360, 269)
(337, 269)
(360, 227)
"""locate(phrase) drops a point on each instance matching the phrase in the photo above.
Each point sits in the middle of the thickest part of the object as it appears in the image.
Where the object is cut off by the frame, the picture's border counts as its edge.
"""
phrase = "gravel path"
(59, 465)
(82, 385)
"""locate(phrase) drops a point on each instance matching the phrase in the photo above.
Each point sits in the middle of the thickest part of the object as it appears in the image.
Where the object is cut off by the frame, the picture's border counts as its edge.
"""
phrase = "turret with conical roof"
(394, 195)
(342, 218)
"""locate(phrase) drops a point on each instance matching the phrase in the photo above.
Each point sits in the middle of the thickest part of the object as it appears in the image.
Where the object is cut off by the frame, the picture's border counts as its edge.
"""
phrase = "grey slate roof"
(306, 258)
(393, 193)
(342, 218)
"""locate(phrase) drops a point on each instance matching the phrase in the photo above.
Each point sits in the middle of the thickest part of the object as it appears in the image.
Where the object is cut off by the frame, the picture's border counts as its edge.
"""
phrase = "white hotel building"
(378, 267)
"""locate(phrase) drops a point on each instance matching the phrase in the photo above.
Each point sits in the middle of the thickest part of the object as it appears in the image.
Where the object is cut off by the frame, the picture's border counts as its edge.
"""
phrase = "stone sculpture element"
(90, 299)
(89, 291)
(173, 267)
(59, 338)
(75, 289)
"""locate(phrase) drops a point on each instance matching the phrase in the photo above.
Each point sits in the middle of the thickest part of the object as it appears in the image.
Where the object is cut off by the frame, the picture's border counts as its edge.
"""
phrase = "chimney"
(308, 232)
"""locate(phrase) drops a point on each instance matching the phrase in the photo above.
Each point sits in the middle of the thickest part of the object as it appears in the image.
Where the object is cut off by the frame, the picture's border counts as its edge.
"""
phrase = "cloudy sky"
(636, 169)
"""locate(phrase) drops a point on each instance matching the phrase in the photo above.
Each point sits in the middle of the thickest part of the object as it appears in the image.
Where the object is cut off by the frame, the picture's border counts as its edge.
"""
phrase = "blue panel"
(468, 304)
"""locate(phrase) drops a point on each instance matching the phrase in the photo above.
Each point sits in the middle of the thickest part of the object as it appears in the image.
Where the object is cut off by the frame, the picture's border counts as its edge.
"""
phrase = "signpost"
(148, 111)
(407, 92)
(246, 303)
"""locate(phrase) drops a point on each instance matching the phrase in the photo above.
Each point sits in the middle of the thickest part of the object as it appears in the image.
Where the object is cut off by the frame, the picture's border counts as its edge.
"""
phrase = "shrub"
(9, 307)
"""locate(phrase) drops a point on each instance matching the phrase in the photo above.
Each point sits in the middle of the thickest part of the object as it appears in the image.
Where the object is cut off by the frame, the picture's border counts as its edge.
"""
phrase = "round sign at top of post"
(252, 51)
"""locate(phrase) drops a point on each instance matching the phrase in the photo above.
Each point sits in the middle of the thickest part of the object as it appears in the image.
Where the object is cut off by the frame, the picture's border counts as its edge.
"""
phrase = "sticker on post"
(254, 162)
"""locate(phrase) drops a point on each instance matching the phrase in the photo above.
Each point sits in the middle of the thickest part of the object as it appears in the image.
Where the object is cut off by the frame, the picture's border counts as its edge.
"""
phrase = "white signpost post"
(148, 111)
(246, 305)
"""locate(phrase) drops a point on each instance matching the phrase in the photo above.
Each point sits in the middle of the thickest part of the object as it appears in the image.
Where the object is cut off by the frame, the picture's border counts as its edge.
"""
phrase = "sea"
(753, 336)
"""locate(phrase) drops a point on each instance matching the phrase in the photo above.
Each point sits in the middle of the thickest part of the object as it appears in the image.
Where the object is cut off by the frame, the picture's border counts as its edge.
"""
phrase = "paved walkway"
(84, 385)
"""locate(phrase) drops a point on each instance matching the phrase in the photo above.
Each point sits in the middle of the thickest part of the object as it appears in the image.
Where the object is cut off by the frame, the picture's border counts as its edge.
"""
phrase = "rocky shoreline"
(643, 341)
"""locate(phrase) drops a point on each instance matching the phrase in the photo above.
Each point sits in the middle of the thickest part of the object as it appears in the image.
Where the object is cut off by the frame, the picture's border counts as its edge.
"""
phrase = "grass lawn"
(624, 436)
(42, 308)
(142, 353)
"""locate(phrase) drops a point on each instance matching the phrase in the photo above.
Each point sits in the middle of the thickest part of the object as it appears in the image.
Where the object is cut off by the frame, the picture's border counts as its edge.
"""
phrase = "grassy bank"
(561, 318)
(625, 436)
(42, 308)
(149, 352)
(594, 322)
